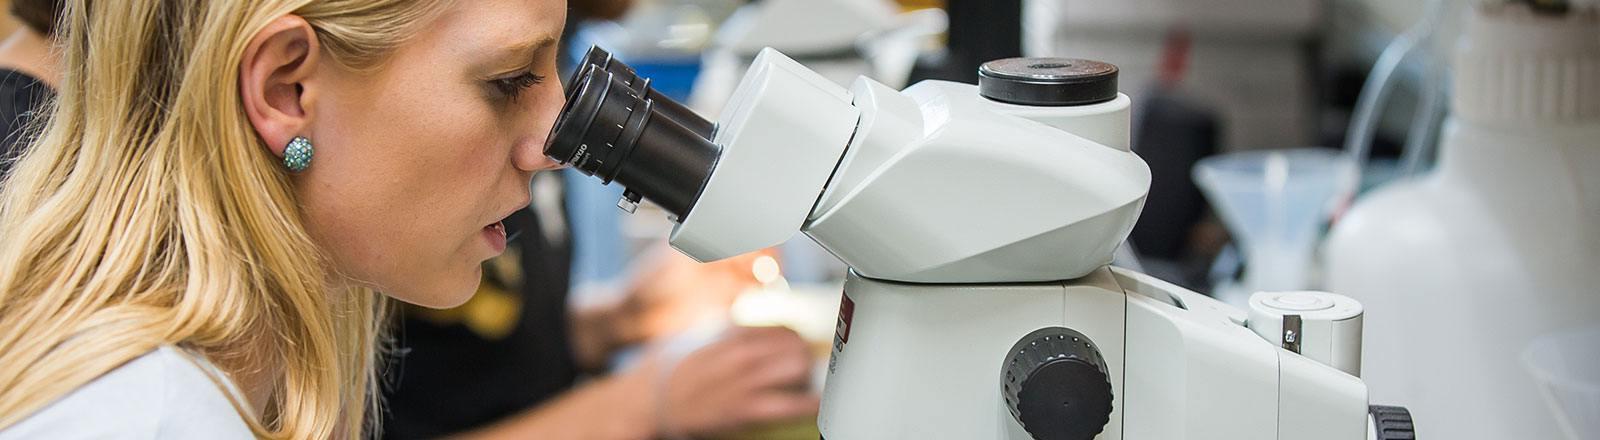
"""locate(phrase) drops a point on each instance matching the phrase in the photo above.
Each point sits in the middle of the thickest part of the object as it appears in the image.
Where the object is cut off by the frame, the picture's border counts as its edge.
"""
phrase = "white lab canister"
(1460, 268)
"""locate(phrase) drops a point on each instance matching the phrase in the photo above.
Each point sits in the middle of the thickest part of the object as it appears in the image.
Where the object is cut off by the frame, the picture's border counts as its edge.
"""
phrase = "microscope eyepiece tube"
(603, 60)
(609, 130)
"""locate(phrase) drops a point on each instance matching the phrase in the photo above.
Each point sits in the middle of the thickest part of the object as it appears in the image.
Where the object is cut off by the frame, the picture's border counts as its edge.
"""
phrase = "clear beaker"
(1274, 203)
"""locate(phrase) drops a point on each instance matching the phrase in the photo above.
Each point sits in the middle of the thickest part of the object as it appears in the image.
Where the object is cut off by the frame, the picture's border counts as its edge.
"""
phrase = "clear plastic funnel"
(1274, 203)
(1567, 368)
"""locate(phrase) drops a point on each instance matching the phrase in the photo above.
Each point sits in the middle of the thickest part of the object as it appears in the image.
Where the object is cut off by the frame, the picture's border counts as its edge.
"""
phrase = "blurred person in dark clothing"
(28, 73)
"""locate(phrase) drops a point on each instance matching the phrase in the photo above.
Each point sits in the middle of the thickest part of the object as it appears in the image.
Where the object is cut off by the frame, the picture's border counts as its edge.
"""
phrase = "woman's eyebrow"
(524, 51)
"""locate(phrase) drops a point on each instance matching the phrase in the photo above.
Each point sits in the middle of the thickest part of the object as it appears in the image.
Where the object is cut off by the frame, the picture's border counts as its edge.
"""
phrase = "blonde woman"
(191, 246)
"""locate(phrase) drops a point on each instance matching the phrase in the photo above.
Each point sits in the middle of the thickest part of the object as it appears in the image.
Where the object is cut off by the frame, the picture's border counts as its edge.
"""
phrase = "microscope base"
(928, 361)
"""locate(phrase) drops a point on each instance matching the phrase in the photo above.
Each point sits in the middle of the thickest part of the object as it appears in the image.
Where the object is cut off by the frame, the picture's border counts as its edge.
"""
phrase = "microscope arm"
(933, 184)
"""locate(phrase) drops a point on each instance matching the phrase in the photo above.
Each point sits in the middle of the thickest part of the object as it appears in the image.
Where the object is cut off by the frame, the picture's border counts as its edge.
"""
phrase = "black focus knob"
(1048, 81)
(1392, 423)
(1056, 385)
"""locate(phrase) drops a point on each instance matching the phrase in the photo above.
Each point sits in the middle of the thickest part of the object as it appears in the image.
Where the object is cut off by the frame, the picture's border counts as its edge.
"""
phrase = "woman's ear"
(275, 80)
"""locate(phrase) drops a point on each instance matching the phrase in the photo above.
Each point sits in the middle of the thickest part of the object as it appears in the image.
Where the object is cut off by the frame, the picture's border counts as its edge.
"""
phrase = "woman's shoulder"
(162, 394)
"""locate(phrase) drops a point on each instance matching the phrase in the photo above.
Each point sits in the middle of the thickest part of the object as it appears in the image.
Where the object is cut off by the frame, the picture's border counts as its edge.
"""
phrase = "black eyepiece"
(611, 130)
(665, 106)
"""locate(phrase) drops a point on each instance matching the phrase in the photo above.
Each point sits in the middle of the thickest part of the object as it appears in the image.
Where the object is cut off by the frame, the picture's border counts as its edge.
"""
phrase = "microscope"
(978, 223)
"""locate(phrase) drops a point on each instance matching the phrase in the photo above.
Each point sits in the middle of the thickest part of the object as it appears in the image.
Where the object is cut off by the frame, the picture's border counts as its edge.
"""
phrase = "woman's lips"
(495, 234)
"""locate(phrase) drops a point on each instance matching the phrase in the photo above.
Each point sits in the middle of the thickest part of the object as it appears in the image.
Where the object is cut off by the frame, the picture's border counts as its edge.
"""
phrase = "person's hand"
(667, 294)
(672, 292)
(746, 378)
(751, 376)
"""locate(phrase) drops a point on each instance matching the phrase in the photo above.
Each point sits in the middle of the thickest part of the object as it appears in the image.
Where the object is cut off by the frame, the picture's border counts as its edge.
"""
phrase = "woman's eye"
(511, 87)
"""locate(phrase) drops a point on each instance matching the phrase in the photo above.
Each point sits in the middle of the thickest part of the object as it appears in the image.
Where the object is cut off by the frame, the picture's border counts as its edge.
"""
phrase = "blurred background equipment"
(1462, 266)
(979, 31)
(1250, 58)
(842, 38)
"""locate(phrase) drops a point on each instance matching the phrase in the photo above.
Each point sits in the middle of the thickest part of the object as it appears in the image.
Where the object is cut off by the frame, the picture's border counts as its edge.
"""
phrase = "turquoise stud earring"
(297, 155)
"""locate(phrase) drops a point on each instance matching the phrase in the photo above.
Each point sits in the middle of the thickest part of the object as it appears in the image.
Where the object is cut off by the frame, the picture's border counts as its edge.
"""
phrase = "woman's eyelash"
(511, 87)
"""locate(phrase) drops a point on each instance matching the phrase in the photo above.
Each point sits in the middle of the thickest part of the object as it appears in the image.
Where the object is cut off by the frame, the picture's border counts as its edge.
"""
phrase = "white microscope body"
(980, 302)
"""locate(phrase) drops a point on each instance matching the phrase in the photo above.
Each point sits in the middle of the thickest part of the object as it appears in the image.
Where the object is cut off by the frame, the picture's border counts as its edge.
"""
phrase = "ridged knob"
(1056, 385)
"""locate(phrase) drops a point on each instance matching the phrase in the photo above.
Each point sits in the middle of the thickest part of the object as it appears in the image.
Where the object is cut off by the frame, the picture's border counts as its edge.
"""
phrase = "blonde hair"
(147, 212)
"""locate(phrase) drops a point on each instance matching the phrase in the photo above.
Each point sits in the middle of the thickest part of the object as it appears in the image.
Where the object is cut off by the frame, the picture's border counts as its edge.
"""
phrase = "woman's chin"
(443, 294)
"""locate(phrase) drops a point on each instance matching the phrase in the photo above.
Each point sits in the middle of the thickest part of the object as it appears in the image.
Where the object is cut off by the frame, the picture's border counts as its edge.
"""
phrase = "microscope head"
(1026, 178)
(749, 186)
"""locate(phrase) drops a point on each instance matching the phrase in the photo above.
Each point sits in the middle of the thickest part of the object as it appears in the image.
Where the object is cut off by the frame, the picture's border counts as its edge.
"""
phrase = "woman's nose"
(529, 156)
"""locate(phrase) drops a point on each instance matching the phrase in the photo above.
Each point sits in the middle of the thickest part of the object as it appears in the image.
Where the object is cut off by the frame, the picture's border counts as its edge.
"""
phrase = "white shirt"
(162, 394)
